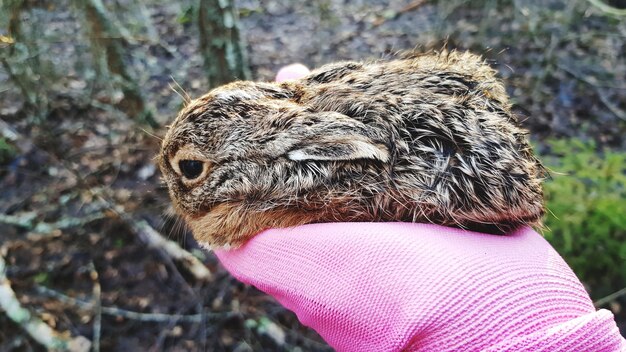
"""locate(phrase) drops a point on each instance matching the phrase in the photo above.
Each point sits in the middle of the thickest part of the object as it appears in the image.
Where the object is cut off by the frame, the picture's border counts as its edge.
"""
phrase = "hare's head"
(237, 159)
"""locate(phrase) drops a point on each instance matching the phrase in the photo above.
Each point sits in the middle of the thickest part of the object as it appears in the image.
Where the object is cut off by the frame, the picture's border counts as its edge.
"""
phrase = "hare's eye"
(191, 168)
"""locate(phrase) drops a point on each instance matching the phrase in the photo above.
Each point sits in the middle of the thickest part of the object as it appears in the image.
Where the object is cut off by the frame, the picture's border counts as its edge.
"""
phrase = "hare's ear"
(337, 137)
(348, 148)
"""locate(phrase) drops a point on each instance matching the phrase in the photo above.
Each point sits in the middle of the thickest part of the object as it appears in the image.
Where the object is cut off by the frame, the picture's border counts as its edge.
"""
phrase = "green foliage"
(7, 151)
(186, 15)
(586, 199)
(265, 326)
(42, 278)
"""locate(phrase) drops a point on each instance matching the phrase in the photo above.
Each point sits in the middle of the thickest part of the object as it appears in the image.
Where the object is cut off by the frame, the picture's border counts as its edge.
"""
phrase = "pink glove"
(293, 71)
(402, 286)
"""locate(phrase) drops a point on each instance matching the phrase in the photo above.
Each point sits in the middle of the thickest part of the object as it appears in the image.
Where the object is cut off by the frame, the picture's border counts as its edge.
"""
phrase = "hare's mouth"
(200, 211)
(232, 224)
(217, 225)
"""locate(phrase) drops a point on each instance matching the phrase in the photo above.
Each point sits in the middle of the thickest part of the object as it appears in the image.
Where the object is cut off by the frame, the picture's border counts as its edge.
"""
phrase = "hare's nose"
(191, 169)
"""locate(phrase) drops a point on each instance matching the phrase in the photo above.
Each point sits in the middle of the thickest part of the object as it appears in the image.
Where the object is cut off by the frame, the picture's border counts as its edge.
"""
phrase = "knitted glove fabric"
(419, 287)
(293, 71)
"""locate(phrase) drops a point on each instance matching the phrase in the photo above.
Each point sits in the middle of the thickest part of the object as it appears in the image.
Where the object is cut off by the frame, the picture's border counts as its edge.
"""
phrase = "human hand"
(398, 286)
(402, 286)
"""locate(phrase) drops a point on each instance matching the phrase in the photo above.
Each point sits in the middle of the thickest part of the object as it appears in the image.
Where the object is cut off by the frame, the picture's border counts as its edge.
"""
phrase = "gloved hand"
(403, 286)
(395, 286)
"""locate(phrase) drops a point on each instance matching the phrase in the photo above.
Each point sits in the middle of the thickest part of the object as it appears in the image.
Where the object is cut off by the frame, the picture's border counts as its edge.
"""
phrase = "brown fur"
(226, 218)
(425, 139)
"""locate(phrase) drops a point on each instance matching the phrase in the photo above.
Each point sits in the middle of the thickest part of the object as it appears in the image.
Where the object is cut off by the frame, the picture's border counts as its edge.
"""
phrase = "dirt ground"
(83, 177)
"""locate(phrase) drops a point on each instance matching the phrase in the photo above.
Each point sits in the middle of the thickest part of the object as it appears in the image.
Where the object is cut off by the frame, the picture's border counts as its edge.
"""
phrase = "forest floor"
(81, 188)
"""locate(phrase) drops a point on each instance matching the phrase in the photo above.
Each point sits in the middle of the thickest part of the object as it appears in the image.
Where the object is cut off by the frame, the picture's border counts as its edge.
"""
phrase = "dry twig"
(610, 298)
(154, 239)
(608, 9)
(97, 302)
(619, 113)
(128, 314)
(613, 108)
(35, 327)
(27, 220)
(408, 8)
(590, 80)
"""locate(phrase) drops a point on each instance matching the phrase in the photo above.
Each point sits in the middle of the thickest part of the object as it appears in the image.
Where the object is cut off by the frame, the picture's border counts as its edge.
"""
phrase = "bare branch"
(222, 47)
(35, 327)
(607, 9)
(102, 30)
(128, 314)
(610, 298)
(619, 113)
(154, 239)
(97, 302)
(27, 221)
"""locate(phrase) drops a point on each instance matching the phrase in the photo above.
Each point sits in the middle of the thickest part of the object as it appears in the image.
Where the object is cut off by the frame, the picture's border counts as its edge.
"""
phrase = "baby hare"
(430, 138)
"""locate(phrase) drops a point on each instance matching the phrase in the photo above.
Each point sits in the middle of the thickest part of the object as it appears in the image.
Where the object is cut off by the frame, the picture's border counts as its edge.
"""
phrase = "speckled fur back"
(426, 139)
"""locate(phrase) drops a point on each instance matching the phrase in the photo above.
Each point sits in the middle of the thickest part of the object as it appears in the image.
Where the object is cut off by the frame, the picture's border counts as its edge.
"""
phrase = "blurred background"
(87, 88)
